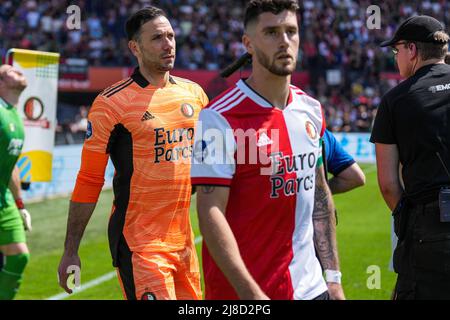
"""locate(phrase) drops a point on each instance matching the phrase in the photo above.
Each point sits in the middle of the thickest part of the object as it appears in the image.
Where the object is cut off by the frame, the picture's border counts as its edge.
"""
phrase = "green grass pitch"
(363, 240)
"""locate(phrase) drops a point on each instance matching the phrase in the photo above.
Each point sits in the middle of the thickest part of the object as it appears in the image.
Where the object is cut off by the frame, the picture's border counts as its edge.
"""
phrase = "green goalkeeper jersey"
(11, 142)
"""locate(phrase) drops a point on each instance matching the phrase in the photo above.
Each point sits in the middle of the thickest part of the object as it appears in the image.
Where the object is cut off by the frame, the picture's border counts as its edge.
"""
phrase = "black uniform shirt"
(413, 115)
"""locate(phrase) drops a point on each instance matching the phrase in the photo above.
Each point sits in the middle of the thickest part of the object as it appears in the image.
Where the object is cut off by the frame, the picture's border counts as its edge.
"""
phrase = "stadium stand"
(347, 69)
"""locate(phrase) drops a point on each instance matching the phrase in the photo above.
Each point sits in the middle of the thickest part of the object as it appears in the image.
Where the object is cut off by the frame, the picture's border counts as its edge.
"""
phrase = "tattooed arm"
(211, 205)
(324, 222)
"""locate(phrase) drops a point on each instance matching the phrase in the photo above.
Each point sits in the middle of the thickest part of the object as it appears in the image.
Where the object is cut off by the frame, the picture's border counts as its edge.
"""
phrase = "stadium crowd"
(340, 53)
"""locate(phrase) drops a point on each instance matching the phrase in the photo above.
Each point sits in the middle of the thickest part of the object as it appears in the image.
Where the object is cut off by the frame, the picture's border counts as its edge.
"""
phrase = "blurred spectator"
(72, 124)
(340, 53)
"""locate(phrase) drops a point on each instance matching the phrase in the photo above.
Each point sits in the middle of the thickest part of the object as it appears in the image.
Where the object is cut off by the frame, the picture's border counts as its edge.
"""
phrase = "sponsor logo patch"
(147, 116)
(439, 88)
(15, 147)
(263, 140)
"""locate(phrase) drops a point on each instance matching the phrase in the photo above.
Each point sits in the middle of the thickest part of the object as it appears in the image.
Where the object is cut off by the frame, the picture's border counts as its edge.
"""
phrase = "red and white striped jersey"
(268, 158)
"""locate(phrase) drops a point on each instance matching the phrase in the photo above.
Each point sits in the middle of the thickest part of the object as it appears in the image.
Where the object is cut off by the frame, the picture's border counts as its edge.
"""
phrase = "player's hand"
(335, 291)
(26, 218)
(66, 267)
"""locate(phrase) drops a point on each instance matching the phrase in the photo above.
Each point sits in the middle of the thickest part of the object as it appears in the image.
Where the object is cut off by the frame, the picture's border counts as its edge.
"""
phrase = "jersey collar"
(141, 81)
(256, 97)
(5, 104)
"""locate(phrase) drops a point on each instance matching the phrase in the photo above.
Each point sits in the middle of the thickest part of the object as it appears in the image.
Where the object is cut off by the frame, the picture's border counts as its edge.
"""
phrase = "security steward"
(412, 135)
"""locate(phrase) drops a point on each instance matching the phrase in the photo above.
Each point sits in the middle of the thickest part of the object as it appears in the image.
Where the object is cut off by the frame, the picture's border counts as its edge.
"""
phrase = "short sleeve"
(102, 118)
(328, 143)
(337, 158)
(324, 124)
(320, 159)
(383, 128)
(214, 149)
(316, 115)
(203, 97)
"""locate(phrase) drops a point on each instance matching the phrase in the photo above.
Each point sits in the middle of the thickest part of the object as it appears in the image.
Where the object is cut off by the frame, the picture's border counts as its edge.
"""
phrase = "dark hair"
(256, 7)
(137, 19)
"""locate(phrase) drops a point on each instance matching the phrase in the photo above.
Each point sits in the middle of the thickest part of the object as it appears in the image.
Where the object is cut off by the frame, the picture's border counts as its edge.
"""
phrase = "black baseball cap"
(417, 28)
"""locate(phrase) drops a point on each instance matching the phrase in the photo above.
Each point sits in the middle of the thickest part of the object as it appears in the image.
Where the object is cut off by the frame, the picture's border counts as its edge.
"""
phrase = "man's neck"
(422, 63)
(11, 97)
(273, 88)
(156, 79)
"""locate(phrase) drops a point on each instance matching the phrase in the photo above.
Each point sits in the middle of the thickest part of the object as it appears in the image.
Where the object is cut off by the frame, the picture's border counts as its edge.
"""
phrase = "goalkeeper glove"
(24, 214)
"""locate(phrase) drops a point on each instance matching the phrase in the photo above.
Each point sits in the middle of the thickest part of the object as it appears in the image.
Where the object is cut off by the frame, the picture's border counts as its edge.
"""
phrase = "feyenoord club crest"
(187, 110)
(34, 113)
(34, 108)
(311, 130)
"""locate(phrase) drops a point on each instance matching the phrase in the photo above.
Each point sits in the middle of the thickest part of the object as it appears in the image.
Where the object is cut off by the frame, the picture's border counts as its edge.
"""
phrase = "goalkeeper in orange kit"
(145, 124)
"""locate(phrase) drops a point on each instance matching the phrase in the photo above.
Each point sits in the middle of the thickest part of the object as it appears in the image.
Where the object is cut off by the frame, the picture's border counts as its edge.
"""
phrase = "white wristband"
(333, 276)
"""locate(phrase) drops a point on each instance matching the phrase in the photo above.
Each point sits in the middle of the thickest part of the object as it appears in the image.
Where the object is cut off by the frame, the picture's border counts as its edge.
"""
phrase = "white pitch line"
(95, 282)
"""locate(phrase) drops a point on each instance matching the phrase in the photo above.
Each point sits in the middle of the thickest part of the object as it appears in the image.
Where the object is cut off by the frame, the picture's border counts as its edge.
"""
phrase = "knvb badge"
(89, 130)
(201, 150)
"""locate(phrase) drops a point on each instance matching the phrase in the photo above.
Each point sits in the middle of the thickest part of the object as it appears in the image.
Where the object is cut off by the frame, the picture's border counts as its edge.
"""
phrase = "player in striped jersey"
(263, 202)
(145, 124)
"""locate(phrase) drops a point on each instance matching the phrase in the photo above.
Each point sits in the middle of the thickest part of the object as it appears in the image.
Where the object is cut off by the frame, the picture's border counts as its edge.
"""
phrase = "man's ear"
(413, 49)
(247, 43)
(134, 48)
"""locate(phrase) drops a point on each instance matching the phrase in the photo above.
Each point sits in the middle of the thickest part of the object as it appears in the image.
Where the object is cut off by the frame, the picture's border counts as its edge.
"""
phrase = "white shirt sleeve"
(213, 161)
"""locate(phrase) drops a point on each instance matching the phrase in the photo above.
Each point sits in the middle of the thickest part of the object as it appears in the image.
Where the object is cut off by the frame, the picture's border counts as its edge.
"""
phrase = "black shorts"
(323, 296)
(428, 272)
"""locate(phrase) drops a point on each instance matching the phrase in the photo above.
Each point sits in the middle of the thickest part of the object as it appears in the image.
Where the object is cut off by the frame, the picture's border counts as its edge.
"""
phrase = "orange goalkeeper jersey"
(148, 133)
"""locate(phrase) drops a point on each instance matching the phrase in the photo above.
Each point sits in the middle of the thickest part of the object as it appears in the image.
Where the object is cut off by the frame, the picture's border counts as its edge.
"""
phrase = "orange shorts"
(161, 276)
